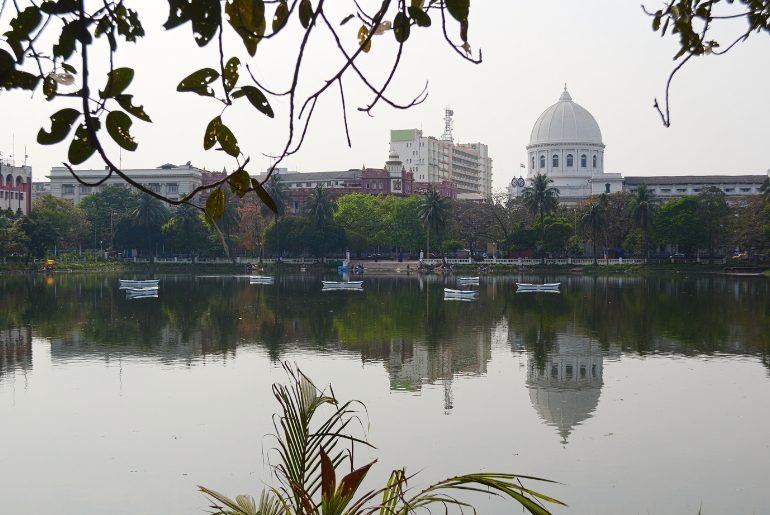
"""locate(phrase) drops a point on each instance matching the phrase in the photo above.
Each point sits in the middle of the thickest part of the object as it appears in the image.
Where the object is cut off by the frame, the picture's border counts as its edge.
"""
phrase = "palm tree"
(274, 188)
(644, 205)
(148, 215)
(319, 208)
(541, 198)
(595, 218)
(433, 211)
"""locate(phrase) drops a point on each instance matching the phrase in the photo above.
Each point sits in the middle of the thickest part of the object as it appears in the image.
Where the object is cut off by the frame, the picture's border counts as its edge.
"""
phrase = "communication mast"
(448, 114)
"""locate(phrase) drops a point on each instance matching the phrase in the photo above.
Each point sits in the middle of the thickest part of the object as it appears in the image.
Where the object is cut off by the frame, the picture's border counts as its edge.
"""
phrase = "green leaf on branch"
(257, 99)
(305, 13)
(240, 181)
(401, 27)
(21, 27)
(281, 16)
(347, 19)
(117, 81)
(264, 196)
(61, 125)
(419, 16)
(17, 79)
(215, 204)
(81, 147)
(49, 88)
(210, 137)
(197, 82)
(227, 140)
(231, 73)
(458, 9)
(128, 23)
(205, 16)
(118, 127)
(76, 30)
(247, 17)
(59, 6)
(127, 103)
(363, 33)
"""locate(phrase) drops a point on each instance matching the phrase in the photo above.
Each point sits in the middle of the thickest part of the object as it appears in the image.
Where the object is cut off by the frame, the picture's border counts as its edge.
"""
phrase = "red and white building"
(15, 188)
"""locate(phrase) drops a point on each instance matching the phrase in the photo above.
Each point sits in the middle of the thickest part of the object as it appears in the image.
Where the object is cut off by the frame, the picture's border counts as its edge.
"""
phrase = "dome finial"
(565, 97)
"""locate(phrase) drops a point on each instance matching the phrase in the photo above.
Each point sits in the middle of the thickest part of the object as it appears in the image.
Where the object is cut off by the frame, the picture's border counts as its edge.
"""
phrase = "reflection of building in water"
(15, 350)
(410, 365)
(565, 388)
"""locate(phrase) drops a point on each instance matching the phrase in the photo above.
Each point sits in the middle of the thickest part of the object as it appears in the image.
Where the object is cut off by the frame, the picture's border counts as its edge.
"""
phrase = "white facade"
(675, 186)
(566, 144)
(432, 160)
(171, 181)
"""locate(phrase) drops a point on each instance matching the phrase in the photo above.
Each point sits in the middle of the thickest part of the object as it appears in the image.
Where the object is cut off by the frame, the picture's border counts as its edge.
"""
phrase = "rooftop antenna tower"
(448, 114)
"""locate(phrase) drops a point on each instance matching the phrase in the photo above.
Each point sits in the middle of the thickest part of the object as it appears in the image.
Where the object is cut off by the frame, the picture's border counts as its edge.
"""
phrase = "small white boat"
(468, 280)
(130, 283)
(460, 293)
(260, 279)
(537, 287)
(342, 284)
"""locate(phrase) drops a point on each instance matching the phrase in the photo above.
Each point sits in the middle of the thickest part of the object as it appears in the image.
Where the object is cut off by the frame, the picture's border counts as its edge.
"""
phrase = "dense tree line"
(123, 222)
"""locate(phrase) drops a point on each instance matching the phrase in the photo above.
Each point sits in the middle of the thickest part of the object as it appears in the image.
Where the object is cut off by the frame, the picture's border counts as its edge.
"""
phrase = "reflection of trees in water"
(393, 320)
(15, 350)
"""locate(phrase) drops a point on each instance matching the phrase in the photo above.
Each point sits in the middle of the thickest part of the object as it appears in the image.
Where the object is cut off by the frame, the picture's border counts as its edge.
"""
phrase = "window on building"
(729, 190)
(570, 161)
(681, 190)
(607, 187)
(594, 161)
(172, 187)
(533, 163)
(555, 161)
(568, 372)
(85, 190)
(21, 196)
(307, 184)
(583, 161)
(666, 190)
(696, 190)
(542, 161)
(296, 206)
(67, 189)
(745, 190)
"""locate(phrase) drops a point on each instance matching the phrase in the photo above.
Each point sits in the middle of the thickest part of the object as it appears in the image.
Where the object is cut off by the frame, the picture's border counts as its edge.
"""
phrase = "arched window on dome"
(583, 161)
(594, 161)
(570, 161)
(533, 162)
(542, 161)
(555, 161)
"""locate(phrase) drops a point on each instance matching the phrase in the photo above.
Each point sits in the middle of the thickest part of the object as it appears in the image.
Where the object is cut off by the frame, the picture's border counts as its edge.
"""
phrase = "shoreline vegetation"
(491, 269)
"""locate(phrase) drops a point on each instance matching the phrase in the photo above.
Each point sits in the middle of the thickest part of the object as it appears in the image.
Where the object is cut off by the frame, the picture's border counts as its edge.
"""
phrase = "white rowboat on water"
(461, 293)
(537, 287)
(342, 284)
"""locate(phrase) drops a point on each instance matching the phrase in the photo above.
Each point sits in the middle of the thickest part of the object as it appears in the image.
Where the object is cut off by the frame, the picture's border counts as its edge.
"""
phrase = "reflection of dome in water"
(566, 391)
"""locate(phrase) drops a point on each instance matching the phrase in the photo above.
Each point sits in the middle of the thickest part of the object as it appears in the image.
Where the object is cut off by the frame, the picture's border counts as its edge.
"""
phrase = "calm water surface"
(639, 395)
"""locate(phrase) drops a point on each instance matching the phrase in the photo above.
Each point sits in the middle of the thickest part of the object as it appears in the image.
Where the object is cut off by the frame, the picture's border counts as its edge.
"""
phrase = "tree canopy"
(57, 46)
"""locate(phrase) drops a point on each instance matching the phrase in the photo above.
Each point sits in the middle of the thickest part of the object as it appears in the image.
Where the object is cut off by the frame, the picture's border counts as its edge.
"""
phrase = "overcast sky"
(605, 50)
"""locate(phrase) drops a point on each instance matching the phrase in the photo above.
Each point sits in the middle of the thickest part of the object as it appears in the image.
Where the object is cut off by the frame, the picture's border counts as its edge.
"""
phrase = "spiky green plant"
(310, 455)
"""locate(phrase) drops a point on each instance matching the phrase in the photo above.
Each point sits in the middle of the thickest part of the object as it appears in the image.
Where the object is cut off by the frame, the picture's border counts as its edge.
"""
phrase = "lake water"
(639, 395)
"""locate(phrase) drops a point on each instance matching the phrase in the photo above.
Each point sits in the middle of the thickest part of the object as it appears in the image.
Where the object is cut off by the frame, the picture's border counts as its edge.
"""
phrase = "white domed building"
(566, 144)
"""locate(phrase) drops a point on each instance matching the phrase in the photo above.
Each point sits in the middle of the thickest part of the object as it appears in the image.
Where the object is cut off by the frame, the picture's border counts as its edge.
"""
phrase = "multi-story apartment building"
(15, 187)
(433, 161)
(169, 180)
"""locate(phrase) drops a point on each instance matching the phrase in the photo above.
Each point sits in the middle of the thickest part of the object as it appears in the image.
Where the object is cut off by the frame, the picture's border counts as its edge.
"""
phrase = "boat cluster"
(140, 289)
(473, 294)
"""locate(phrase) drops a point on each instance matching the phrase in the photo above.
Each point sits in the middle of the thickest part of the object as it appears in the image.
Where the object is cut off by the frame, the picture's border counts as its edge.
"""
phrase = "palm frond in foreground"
(311, 452)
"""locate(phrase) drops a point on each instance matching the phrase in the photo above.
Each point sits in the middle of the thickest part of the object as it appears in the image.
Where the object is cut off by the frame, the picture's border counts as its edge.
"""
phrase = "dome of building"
(565, 122)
